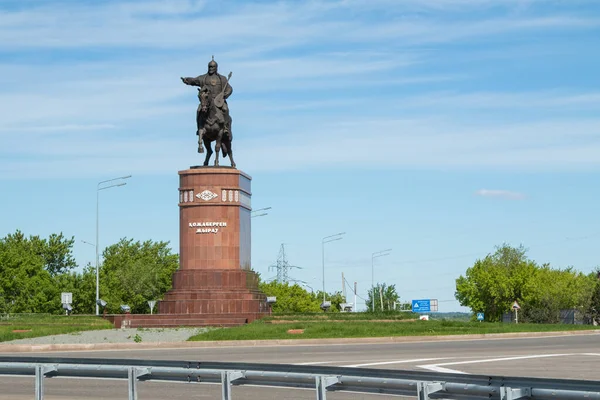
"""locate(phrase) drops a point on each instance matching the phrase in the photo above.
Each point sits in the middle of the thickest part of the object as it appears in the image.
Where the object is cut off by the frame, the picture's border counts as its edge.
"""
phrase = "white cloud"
(60, 128)
(315, 83)
(510, 100)
(504, 194)
(180, 24)
(430, 143)
(310, 144)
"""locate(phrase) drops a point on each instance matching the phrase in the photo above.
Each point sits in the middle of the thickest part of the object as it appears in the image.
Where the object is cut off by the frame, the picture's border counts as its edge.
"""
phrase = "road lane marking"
(435, 368)
(394, 362)
(440, 368)
(314, 363)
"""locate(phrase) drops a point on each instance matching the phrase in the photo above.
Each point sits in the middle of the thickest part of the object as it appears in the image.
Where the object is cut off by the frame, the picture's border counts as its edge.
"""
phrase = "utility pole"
(343, 287)
(354, 296)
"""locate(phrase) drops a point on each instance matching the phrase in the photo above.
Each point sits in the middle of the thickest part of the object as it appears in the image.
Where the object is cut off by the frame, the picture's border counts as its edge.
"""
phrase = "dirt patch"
(21, 330)
(295, 331)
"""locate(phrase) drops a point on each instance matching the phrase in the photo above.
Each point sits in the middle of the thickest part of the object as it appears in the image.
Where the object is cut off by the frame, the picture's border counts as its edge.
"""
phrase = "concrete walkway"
(156, 338)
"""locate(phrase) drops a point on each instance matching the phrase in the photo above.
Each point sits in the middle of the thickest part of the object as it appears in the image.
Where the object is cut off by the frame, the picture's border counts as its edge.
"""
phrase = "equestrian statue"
(213, 122)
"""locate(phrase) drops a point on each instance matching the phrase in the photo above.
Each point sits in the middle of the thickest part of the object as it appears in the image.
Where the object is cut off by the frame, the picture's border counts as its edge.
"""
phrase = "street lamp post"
(98, 189)
(327, 239)
(380, 253)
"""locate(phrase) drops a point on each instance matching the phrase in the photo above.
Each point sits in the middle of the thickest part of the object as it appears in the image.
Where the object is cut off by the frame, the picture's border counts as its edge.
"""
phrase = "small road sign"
(516, 306)
(479, 316)
(66, 298)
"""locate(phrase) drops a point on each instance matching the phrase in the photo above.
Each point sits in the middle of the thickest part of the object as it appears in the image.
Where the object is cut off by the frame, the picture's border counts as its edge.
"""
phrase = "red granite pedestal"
(214, 284)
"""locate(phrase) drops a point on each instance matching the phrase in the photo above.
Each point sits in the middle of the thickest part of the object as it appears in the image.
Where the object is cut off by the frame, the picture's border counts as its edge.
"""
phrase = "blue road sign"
(479, 316)
(421, 305)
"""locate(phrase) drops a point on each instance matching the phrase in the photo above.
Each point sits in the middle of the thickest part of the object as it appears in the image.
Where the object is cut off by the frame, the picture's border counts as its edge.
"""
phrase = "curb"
(29, 348)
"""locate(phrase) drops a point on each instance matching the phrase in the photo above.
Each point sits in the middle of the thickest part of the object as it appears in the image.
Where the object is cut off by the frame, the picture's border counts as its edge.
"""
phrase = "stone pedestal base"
(204, 298)
(214, 292)
(214, 284)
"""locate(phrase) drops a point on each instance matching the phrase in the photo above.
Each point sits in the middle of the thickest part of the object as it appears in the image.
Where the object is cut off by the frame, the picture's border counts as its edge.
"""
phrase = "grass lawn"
(260, 330)
(36, 325)
(338, 316)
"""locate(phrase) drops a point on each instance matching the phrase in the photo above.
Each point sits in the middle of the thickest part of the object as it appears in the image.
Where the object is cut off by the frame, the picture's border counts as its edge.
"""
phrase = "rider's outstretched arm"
(197, 81)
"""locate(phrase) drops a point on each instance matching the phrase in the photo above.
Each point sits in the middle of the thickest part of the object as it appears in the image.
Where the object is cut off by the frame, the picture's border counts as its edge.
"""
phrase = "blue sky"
(437, 128)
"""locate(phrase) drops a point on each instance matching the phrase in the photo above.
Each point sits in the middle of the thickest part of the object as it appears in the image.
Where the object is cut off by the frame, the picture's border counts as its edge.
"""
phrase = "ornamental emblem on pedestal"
(207, 195)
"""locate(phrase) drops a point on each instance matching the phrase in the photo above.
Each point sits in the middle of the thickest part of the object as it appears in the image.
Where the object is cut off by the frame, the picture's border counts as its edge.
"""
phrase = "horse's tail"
(227, 141)
(225, 149)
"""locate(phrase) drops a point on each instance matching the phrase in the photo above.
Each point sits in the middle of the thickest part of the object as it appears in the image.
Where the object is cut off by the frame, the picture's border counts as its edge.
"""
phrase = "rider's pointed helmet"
(213, 63)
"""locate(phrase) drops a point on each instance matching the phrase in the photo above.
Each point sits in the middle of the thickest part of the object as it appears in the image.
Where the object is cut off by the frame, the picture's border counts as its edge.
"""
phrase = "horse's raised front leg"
(199, 131)
(200, 134)
(209, 151)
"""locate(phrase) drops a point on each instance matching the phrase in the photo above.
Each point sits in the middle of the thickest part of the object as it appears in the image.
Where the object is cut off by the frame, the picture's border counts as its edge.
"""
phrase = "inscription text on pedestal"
(207, 227)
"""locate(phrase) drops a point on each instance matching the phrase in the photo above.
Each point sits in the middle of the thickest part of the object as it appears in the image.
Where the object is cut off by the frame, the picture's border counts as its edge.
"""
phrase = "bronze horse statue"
(213, 128)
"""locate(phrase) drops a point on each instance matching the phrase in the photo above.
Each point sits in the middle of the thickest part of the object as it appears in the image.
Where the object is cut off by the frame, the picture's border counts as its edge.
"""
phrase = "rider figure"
(214, 83)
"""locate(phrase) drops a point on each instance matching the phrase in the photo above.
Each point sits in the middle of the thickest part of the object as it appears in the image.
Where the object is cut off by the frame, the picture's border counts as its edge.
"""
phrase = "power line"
(430, 289)
(348, 283)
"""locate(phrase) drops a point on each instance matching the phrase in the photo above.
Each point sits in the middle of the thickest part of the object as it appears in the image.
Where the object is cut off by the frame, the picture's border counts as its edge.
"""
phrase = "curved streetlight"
(375, 255)
(302, 283)
(253, 215)
(100, 187)
(88, 243)
(327, 239)
(310, 287)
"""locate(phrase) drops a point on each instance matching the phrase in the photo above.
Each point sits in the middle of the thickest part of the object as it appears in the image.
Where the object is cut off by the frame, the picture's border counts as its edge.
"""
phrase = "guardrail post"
(322, 383)
(424, 389)
(40, 373)
(226, 378)
(39, 382)
(132, 374)
(507, 393)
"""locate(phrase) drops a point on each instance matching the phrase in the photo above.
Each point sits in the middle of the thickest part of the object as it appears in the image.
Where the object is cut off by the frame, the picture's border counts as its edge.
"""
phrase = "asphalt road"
(570, 357)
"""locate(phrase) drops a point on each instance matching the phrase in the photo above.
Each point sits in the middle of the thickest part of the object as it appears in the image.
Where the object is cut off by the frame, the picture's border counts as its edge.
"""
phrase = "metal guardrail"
(423, 385)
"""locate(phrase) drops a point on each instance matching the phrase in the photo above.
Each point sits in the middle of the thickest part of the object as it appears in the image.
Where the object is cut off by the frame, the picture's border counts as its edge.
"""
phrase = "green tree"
(134, 272)
(389, 295)
(28, 268)
(553, 290)
(496, 281)
(83, 287)
(290, 298)
(57, 252)
(594, 307)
